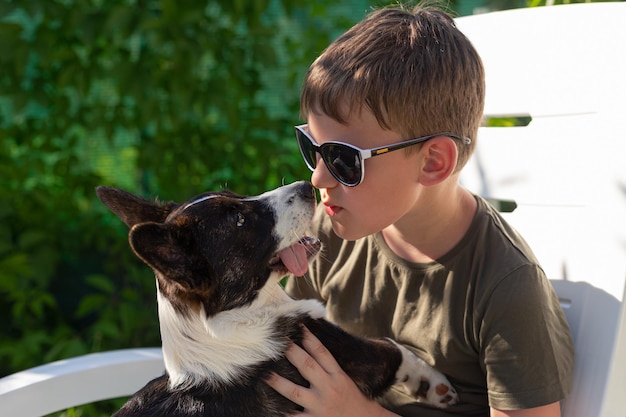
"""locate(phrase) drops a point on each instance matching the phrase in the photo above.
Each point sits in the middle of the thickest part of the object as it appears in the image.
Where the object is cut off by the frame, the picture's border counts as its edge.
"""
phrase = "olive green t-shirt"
(484, 314)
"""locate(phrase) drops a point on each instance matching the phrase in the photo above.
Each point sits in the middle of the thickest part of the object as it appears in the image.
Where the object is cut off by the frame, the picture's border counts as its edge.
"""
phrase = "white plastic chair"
(81, 380)
(564, 66)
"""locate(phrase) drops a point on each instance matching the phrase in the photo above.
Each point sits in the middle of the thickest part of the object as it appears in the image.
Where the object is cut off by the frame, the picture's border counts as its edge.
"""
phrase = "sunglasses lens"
(306, 149)
(343, 162)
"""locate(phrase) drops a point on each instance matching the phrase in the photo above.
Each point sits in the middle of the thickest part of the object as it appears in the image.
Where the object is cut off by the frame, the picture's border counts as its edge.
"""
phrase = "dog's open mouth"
(295, 258)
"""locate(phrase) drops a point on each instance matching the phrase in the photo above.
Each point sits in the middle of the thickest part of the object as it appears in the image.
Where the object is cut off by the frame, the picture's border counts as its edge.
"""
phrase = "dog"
(225, 321)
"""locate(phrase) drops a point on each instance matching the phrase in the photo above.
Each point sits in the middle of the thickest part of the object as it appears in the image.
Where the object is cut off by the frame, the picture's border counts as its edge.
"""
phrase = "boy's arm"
(333, 393)
(550, 410)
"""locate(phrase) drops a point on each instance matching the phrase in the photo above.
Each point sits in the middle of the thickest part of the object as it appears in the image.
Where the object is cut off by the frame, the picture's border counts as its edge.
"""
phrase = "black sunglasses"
(345, 161)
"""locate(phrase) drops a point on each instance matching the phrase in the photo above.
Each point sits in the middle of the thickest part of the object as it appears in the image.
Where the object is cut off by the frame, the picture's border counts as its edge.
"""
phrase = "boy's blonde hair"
(414, 70)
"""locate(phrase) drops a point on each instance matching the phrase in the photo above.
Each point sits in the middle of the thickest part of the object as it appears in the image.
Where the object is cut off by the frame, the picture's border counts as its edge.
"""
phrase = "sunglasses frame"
(362, 154)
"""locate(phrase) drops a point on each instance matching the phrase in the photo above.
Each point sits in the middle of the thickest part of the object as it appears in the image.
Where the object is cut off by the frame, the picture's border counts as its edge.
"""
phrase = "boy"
(408, 253)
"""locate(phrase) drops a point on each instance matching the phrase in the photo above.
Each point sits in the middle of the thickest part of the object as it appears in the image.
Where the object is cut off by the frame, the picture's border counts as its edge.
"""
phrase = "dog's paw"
(423, 382)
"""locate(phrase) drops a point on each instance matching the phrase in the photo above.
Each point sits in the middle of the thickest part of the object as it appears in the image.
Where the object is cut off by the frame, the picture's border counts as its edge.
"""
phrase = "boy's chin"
(347, 233)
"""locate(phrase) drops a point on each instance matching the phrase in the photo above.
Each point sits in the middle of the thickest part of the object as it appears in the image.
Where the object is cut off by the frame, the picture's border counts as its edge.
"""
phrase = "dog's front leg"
(422, 381)
(378, 363)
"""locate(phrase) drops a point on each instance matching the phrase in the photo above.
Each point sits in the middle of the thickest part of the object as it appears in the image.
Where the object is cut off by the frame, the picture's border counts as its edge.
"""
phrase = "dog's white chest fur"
(219, 348)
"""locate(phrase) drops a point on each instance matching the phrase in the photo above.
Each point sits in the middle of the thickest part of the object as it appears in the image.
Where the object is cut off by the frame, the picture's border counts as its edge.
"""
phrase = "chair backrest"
(563, 68)
(81, 380)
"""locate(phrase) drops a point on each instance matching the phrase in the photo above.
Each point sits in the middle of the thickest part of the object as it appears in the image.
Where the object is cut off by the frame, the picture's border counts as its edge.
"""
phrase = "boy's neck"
(434, 229)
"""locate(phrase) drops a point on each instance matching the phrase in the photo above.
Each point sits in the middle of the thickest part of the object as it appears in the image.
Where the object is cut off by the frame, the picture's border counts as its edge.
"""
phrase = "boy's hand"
(331, 392)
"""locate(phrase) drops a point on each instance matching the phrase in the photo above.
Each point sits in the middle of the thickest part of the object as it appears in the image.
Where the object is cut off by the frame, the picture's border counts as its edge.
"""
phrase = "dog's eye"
(240, 220)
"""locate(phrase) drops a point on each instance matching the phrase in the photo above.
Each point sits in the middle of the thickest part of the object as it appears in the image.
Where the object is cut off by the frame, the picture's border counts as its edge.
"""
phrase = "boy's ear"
(132, 209)
(440, 157)
(156, 246)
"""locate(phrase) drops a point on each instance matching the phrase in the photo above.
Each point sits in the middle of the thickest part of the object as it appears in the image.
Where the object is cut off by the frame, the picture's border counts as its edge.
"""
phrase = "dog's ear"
(156, 246)
(132, 209)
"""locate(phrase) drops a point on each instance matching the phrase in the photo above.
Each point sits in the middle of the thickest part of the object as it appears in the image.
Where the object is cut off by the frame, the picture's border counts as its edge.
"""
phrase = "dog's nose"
(306, 190)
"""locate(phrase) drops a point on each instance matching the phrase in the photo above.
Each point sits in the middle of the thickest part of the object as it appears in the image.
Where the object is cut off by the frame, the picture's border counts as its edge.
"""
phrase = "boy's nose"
(321, 177)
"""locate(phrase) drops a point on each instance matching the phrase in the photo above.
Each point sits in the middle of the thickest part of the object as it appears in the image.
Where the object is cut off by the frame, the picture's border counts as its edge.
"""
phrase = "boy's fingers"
(319, 353)
(306, 364)
(288, 389)
(315, 363)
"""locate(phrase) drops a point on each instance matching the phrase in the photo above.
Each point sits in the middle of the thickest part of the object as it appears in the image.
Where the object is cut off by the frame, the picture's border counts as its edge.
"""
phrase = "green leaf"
(101, 282)
(90, 304)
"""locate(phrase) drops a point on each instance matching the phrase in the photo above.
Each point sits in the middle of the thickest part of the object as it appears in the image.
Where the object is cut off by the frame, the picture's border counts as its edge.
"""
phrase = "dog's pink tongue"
(295, 259)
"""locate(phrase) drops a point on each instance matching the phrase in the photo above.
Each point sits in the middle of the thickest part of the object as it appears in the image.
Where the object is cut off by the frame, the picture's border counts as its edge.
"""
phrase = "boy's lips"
(330, 209)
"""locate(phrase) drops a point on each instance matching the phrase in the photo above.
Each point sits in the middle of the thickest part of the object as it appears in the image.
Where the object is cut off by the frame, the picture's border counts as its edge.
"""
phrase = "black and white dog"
(225, 320)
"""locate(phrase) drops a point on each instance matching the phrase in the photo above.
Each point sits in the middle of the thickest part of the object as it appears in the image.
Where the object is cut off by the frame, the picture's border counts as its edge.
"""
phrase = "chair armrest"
(81, 380)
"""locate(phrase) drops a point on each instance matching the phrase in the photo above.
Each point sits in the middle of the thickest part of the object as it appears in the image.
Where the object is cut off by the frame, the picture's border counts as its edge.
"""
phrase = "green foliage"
(507, 121)
(173, 93)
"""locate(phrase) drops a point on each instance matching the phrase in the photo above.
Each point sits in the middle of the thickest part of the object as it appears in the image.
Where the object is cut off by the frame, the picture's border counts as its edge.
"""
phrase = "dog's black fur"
(215, 255)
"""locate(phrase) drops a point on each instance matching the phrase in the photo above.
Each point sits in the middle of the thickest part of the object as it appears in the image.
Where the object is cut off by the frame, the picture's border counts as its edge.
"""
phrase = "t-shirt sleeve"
(526, 347)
